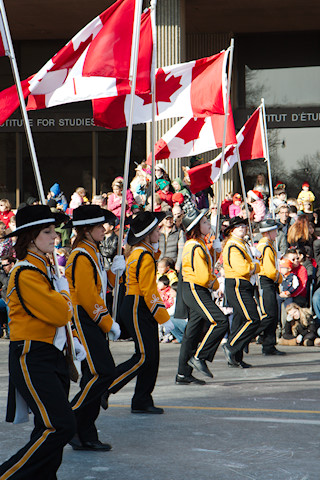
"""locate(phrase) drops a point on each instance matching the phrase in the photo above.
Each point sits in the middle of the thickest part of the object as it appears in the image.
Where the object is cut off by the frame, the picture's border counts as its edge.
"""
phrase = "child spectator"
(5, 211)
(164, 268)
(58, 196)
(290, 282)
(279, 196)
(255, 198)
(166, 292)
(225, 204)
(77, 198)
(235, 207)
(300, 327)
(306, 196)
(109, 245)
(164, 191)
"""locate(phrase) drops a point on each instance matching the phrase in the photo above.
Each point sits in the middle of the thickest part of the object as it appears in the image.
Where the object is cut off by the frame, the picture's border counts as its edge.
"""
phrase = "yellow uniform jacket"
(268, 261)
(85, 277)
(48, 309)
(197, 265)
(237, 262)
(144, 283)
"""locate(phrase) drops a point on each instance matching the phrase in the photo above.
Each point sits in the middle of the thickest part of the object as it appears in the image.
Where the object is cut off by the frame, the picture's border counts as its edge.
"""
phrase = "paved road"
(257, 424)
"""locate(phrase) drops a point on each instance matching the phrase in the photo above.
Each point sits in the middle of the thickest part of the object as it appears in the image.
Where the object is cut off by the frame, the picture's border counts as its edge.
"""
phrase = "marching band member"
(270, 277)
(198, 281)
(88, 282)
(240, 268)
(141, 312)
(39, 377)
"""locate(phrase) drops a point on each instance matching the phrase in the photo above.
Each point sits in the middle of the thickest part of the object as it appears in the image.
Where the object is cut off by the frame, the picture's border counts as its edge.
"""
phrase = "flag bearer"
(38, 372)
(270, 277)
(141, 312)
(88, 282)
(240, 268)
(198, 282)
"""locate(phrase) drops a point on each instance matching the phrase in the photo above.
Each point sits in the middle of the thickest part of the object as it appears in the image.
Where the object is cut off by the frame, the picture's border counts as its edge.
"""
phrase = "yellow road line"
(229, 409)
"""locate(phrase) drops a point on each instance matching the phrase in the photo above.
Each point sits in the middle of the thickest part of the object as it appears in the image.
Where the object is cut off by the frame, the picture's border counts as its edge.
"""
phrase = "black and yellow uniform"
(239, 267)
(270, 277)
(197, 275)
(87, 283)
(38, 369)
(141, 312)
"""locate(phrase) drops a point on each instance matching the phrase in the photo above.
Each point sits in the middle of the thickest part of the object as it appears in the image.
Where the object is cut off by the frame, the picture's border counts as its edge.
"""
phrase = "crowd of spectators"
(297, 241)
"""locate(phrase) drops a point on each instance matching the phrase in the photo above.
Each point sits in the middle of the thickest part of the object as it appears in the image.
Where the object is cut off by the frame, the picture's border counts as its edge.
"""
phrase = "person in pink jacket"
(255, 199)
(115, 199)
(235, 207)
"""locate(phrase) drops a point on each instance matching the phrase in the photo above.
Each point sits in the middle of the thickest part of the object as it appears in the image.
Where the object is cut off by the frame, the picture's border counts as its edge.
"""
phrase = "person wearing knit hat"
(88, 285)
(56, 193)
(164, 191)
(142, 310)
(270, 278)
(255, 199)
(306, 196)
(235, 207)
(39, 381)
(177, 198)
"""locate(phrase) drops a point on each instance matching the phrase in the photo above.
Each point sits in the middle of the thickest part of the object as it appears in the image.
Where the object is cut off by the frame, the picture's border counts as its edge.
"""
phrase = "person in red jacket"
(5, 211)
(299, 296)
(164, 191)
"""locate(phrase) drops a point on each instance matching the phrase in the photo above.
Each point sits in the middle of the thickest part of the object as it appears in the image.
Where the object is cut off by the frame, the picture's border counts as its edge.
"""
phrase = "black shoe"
(243, 364)
(94, 446)
(233, 365)
(273, 351)
(230, 358)
(200, 365)
(188, 380)
(151, 409)
(104, 402)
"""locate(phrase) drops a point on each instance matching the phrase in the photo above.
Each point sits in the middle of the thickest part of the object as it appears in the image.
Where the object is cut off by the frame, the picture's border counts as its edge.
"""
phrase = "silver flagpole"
(32, 150)
(267, 156)
(231, 48)
(153, 124)
(133, 78)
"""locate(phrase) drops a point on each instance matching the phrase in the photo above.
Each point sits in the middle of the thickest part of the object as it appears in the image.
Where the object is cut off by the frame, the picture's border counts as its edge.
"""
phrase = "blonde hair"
(81, 191)
(303, 312)
(6, 203)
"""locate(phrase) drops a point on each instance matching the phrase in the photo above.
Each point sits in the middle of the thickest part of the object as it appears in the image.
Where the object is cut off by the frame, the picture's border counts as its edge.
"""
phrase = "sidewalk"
(259, 424)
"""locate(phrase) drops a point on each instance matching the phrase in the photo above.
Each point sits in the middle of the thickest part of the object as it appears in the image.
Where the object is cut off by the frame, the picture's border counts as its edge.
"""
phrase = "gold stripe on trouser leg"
(140, 341)
(242, 305)
(44, 415)
(209, 316)
(90, 364)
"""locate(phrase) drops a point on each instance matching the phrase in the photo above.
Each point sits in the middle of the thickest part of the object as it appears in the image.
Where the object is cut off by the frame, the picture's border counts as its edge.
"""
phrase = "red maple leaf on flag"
(191, 130)
(67, 56)
(165, 88)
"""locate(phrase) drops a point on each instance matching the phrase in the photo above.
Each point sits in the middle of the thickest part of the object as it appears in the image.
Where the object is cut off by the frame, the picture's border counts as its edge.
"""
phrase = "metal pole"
(224, 135)
(133, 68)
(153, 124)
(267, 157)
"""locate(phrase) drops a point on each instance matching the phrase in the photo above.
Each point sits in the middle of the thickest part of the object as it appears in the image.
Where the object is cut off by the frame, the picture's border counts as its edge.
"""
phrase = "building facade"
(276, 57)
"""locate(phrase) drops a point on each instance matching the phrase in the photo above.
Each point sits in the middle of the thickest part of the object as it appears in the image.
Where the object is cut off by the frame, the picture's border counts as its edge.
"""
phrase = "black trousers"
(202, 313)
(246, 319)
(39, 372)
(98, 372)
(269, 313)
(144, 363)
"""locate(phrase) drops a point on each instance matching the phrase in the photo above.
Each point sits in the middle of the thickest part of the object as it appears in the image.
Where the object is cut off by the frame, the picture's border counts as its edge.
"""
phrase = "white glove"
(118, 264)
(255, 252)
(155, 247)
(299, 338)
(168, 326)
(60, 284)
(114, 332)
(79, 349)
(216, 244)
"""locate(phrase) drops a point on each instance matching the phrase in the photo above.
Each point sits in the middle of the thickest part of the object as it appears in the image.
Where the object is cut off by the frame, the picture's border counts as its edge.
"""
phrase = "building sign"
(55, 121)
(283, 117)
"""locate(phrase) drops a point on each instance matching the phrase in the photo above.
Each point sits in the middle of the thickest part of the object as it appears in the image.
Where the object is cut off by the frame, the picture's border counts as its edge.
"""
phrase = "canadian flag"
(251, 144)
(192, 136)
(192, 89)
(95, 63)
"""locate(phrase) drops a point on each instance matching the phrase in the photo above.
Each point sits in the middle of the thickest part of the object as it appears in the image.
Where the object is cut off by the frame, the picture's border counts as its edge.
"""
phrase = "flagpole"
(224, 135)
(153, 121)
(15, 71)
(32, 150)
(267, 156)
(133, 79)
